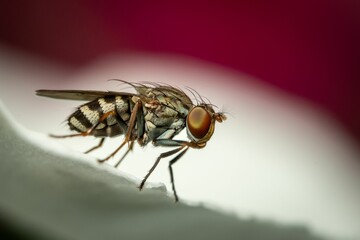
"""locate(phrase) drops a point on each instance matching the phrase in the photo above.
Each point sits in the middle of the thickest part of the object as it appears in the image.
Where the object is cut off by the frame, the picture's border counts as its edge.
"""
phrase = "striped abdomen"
(89, 115)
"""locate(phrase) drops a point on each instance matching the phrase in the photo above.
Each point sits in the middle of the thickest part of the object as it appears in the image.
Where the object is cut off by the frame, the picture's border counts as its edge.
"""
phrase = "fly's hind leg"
(88, 131)
(137, 111)
(140, 123)
(96, 147)
(125, 154)
(183, 146)
(70, 135)
(113, 153)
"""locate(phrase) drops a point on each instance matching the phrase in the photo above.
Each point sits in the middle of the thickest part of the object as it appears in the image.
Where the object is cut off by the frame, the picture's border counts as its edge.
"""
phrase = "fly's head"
(200, 123)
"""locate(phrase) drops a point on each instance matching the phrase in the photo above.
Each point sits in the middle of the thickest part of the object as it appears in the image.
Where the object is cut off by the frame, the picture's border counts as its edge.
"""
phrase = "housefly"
(155, 113)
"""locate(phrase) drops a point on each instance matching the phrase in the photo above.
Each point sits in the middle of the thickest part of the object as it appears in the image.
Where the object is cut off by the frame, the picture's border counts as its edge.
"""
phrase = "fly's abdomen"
(90, 114)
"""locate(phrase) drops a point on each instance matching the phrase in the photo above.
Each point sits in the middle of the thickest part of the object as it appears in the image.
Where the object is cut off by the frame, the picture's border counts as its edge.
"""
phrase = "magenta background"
(308, 48)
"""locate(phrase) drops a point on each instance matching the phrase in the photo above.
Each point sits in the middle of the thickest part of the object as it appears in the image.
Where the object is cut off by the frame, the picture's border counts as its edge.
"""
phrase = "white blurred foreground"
(276, 157)
(45, 194)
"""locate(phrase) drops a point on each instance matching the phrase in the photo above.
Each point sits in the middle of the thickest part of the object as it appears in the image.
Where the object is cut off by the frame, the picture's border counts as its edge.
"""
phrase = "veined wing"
(84, 95)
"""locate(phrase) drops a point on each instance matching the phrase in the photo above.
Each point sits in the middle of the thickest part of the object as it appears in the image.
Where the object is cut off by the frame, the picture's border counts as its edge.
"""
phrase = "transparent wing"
(84, 95)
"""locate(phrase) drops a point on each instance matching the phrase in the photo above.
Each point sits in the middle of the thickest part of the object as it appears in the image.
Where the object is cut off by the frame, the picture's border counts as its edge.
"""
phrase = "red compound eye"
(198, 122)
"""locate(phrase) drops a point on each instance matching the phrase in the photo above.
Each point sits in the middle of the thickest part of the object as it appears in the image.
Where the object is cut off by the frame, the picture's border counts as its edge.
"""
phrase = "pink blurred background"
(284, 70)
(307, 48)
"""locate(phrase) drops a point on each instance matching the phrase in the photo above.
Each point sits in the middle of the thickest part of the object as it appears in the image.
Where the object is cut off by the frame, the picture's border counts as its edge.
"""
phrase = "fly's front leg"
(183, 146)
(176, 143)
(174, 160)
(163, 155)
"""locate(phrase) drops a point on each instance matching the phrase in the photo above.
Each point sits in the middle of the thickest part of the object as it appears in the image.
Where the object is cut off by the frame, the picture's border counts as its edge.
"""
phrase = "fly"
(155, 113)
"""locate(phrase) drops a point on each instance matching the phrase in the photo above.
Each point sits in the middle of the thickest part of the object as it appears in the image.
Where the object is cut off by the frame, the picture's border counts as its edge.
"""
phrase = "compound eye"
(198, 122)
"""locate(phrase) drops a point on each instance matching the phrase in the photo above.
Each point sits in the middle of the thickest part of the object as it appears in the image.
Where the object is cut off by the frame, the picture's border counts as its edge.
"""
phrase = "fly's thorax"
(163, 111)
(161, 132)
(200, 123)
(174, 105)
(162, 121)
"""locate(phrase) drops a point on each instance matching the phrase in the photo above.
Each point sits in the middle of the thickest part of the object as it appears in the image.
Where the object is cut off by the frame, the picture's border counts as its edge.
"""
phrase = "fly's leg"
(171, 143)
(96, 147)
(89, 131)
(176, 143)
(163, 155)
(113, 153)
(123, 156)
(128, 137)
(140, 132)
(70, 135)
(174, 160)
